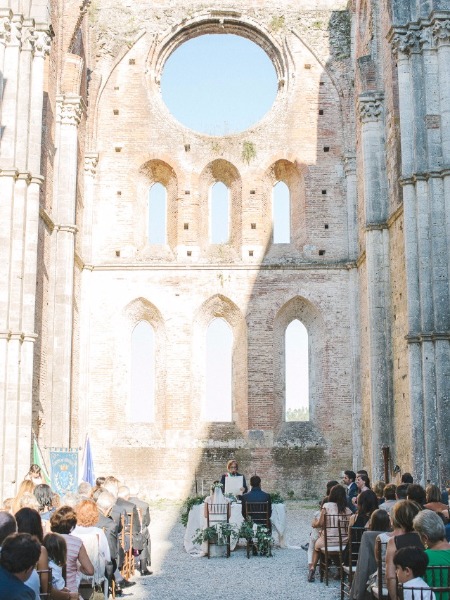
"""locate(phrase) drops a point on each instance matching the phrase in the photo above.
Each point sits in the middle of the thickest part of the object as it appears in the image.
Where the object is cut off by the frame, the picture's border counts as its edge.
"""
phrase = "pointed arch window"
(281, 214)
(219, 225)
(296, 372)
(157, 214)
(142, 392)
(218, 393)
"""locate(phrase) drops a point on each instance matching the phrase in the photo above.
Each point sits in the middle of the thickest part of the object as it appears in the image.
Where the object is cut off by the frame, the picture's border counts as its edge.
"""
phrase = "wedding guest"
(20, 552)
(232, 471)
(417, 493)
(410, 566)
(378, 488)
(44, 496)
(8, 525)
(431, 530)
(29, 521)
(407, 478)
(367, 503)
(26, 487)
(35, 475)
(434, 501)
(57, 557)
(389, 497)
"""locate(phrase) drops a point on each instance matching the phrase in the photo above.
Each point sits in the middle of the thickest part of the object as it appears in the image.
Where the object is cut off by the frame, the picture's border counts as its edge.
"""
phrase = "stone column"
(69, 109)
(424, 90)
(378, 280)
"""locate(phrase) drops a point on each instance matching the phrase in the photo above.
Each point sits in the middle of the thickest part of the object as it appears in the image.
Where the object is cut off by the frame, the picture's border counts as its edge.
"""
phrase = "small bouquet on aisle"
(219, 534)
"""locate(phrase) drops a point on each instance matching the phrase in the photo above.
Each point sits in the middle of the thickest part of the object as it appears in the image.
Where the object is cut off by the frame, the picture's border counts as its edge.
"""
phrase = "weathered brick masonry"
(351, 133)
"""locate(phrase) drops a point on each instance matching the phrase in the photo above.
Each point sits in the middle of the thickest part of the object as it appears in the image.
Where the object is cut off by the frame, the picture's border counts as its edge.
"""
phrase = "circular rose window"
(219, 84)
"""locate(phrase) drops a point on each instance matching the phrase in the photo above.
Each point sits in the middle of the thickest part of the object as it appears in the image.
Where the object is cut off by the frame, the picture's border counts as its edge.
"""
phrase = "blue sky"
(219, 84)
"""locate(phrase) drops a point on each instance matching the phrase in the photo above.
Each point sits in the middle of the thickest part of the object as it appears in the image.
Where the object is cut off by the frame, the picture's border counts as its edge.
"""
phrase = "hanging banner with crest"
(64, 469)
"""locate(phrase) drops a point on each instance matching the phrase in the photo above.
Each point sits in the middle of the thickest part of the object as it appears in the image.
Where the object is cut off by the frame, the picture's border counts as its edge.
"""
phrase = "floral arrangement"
(216, 484)
(231, 497)
(219, 533)
(276, 498)
(259, 534)
(187, 505)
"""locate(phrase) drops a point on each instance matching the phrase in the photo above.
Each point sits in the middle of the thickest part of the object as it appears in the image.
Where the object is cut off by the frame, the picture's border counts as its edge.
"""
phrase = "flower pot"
(216, 551)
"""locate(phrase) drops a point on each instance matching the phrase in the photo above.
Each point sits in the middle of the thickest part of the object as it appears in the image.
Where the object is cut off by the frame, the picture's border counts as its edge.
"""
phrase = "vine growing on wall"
(248, 152)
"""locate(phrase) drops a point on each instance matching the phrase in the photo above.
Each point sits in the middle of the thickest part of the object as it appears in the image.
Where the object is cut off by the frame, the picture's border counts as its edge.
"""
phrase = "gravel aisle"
(179, 576)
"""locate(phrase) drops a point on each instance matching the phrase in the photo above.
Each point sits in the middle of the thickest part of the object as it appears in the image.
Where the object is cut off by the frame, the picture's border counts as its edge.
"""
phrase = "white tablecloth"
(197, 520)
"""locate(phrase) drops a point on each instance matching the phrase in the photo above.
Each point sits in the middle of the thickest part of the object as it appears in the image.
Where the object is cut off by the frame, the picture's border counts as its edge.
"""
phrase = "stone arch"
(308, 314)
(290, 174)
(151, 172)
(225, 172)
(220, 306)
(141, 309)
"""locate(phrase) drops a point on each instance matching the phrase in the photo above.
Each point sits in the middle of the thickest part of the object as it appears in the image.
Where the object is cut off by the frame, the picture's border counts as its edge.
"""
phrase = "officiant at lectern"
(232, 468)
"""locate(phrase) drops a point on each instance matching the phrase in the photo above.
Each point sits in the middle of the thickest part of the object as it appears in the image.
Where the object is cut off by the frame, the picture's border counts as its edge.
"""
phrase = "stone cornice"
(19, 336)
(415, 177)
(376, 226)
(370, 106)
(316, 266)
(429, 336)
(5, 25)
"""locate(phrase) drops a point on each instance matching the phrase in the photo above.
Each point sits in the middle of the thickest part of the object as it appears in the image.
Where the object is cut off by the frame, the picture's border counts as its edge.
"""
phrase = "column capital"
(15, 38)
(5, 26)
(90, 163)
(441, 32)
(370, 106)
(349, 164)
(69, 109)
(42, 41)
(405, 42)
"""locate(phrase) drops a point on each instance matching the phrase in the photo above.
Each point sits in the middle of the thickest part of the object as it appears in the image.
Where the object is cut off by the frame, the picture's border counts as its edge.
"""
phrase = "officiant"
(229, 480)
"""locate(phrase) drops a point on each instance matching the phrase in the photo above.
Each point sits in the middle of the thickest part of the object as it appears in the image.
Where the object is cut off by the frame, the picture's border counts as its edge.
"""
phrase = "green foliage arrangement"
(187, 505)
(219, 533)
(276, 498)
(261, 536)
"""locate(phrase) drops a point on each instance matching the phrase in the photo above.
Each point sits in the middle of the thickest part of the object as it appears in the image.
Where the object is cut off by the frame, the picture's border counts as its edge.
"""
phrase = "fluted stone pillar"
(422, 51)
(69, 110)
(20, 181)
(378, 279)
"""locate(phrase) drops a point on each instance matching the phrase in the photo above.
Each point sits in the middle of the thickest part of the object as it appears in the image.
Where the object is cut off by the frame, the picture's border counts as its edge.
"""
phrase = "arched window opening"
(157, 214)
(142, 396)
(219, 213)
(297, 372)
(281, 214)
(219, 351)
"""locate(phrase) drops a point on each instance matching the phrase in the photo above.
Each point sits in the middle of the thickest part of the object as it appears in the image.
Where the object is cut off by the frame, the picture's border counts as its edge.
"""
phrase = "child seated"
(410, 566)
(57, 557)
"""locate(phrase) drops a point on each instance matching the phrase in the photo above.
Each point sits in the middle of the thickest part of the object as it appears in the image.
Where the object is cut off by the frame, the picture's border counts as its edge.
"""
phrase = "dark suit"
(352, 492)
(256, 495)
(144, 511)
(123, 507)
(112, 530)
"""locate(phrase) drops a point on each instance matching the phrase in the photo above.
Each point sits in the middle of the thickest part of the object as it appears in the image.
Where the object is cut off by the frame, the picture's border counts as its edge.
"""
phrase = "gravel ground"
(180, 576)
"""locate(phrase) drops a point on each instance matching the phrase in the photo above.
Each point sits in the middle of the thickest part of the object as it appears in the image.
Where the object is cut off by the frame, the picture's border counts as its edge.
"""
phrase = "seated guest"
(434, 501)
(64, 521)
(401, 491)
(8, 525)
(20, 553)
(431, 530)
(255, 495)
(84, 490)
(26, 487)
(389, 497)
(407, 478)
(403, 535)
(417, 493)
(44, 496)
(105, 503)
(337, 507)
(144, 559)
(232, 468)
(315, 532)
(35, 475)
(56, 548)
(378, 488)
(367, 502)
(70, 499)
(379, 523)
(29, 521)
(410, 566)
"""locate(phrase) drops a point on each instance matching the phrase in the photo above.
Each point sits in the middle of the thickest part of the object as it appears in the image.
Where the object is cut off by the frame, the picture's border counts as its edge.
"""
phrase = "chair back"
(217, 513)
(258, 512)
(45, 575)
(354, 544)
(92, 544)
(379, 589)
(335, 531)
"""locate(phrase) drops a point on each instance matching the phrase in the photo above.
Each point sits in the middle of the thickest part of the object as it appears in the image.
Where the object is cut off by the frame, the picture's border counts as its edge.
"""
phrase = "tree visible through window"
(297, 372)
(157, 214)
(281, 214)
(142, 393)
(219, 213)
(219, 351)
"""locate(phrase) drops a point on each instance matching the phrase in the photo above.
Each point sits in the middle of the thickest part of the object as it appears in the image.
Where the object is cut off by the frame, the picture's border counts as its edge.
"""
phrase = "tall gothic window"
(157, 214)
(219, 349)
(219, 214)
(297, 372)
(142, 393)
(281, 214)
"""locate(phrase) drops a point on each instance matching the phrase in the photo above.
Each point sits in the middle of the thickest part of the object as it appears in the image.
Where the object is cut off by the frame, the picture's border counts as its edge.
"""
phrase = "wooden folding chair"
(126, 541)
(217, 513)
(45, 579)
(335, 530)
(259, 514)
(354, 543)
(380, 591)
